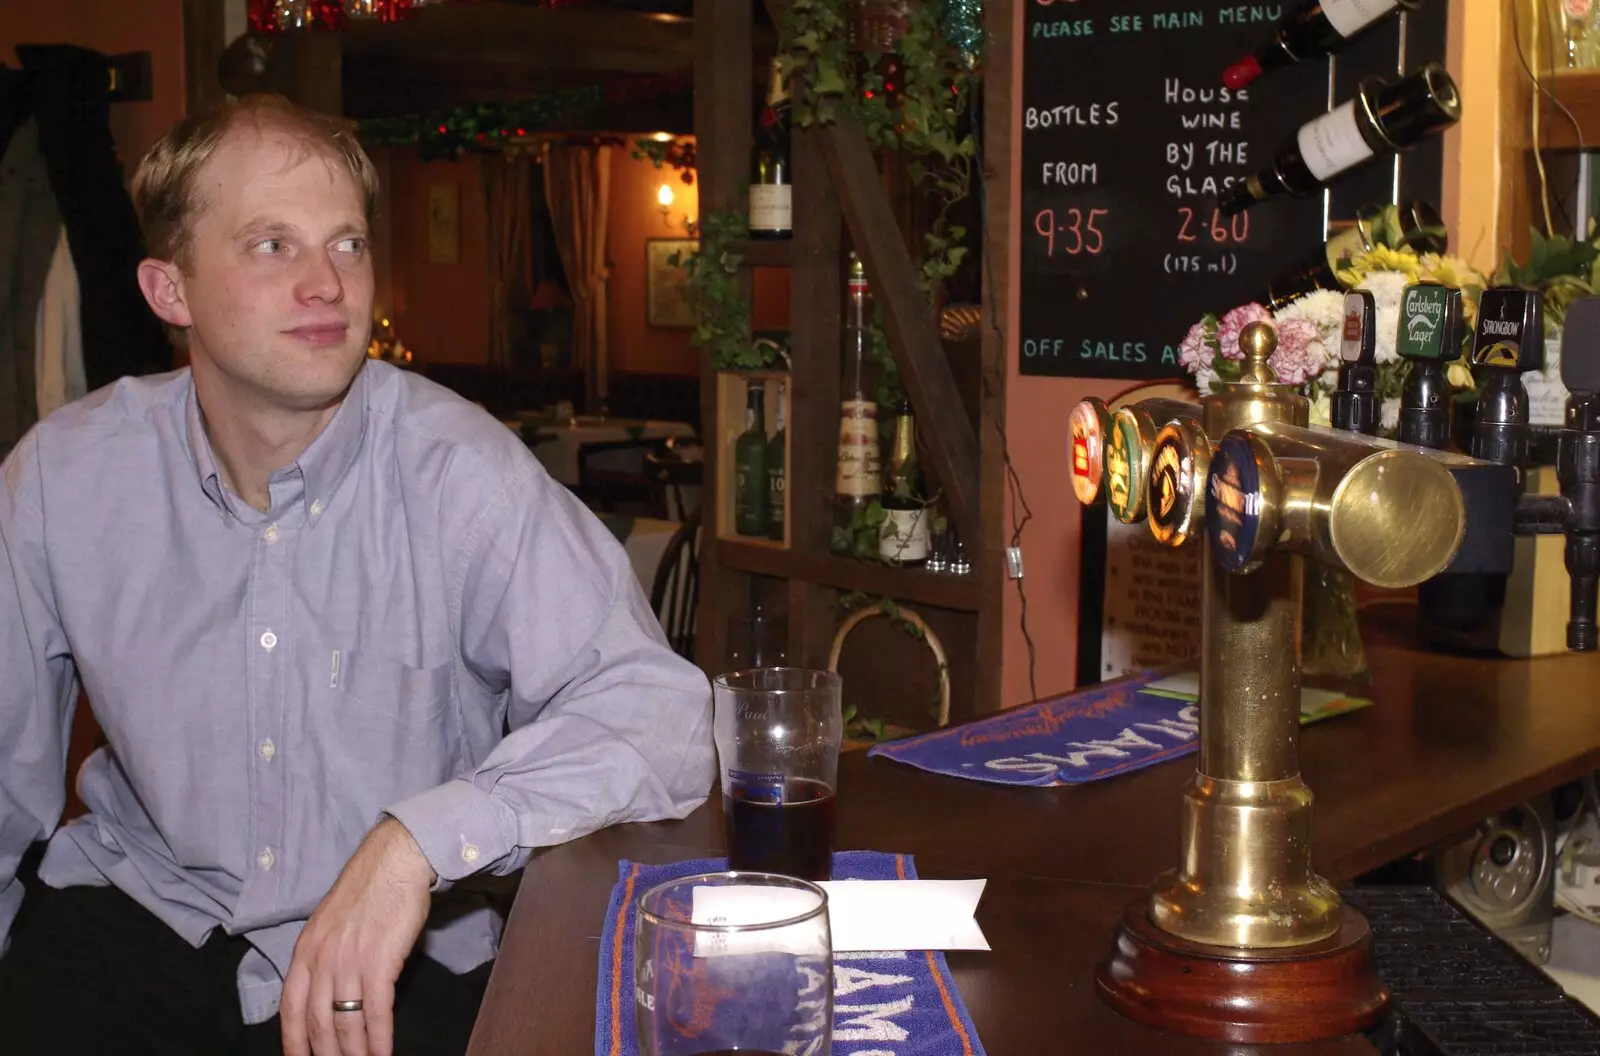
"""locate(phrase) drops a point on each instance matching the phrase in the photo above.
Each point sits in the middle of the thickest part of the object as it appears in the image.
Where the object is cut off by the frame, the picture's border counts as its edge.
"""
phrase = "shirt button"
(316, 507)
(469, 853)
(269, 640)
(266, 859)
(268, 750)
(271, 534)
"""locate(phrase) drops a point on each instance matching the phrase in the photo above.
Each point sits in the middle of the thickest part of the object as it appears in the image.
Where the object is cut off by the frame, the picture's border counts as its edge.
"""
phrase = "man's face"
(278, 287)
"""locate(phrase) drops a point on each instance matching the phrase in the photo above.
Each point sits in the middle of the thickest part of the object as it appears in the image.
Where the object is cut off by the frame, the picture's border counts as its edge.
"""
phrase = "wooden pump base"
(1302, 993)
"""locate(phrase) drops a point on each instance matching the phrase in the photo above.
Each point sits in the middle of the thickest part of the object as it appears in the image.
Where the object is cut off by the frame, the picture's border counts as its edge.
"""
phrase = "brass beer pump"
(1243, 941)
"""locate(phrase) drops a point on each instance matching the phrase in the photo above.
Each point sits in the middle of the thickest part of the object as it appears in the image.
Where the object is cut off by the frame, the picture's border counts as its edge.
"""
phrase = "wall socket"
(1014, 562)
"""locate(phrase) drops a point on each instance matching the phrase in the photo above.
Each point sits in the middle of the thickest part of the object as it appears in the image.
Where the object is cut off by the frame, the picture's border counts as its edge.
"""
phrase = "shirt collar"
(322, 465)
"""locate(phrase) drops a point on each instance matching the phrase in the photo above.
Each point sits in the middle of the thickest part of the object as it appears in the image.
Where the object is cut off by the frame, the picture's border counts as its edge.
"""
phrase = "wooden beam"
(202, 46)
(908, 319)
(994, 228)
(814, 311)
(722, 41)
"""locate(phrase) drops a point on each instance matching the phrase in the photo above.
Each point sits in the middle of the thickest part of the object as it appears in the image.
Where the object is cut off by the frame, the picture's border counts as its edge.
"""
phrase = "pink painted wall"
(1036, 420)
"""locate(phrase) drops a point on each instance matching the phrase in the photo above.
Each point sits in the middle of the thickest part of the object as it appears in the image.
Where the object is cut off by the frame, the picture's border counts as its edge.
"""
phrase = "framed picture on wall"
(444, 224)
(666, 285)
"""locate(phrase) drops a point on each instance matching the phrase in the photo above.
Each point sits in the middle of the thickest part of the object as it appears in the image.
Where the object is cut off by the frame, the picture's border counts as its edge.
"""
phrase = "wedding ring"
(347, 1006)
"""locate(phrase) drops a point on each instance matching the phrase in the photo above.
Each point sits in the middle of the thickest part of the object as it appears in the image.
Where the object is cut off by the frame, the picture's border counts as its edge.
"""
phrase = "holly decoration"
(485, 127)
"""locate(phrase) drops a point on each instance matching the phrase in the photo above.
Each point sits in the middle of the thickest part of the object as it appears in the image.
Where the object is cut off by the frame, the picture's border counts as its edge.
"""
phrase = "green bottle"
(777, 482)
(750, 466)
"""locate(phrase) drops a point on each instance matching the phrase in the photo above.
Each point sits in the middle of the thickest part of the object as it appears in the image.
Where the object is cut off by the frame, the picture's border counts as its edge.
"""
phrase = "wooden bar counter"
(1449, 741)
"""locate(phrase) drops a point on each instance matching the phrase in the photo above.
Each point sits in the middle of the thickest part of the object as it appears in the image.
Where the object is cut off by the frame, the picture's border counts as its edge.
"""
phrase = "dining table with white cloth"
(557, 445)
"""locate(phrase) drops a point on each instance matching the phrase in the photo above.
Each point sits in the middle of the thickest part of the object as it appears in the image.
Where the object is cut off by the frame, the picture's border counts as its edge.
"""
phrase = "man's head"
(256, 216)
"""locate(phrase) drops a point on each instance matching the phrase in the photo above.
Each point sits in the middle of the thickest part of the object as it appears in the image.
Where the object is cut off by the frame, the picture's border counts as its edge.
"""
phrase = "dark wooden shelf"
(903, 584)
(764, 253)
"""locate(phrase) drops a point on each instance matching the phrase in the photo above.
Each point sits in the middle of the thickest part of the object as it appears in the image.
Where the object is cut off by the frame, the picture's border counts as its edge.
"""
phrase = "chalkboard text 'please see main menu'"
(1128, 136)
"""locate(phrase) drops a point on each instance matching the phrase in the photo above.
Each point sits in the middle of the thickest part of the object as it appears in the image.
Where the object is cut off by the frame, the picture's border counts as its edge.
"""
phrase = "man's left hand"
(353, 948)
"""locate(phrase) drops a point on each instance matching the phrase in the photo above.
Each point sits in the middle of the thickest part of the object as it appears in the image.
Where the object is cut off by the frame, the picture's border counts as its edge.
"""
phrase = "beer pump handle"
(1354, 404)
(1578, 467)
(1429, 337)
(1509, 340)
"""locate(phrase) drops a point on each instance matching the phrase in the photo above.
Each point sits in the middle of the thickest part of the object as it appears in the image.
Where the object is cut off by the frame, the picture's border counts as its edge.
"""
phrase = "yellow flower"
(1380, 258)
(1459, 375)
(1452, 271)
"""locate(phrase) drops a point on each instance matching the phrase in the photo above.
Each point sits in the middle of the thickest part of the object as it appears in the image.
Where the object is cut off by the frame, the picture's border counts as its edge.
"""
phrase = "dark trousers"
(90, 972)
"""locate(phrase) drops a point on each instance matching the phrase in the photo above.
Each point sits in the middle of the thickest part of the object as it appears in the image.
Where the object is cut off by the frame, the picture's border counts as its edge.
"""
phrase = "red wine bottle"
(1313, 28)
(1385, 117)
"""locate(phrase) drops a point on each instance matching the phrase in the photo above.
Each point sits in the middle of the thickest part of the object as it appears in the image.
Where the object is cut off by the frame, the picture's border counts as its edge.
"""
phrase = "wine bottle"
(1389, 116)
(1312, 29)
(1416, 224)
(777, 468)
(750, 466)
(903, 537)
(859, 474)
(771, 195)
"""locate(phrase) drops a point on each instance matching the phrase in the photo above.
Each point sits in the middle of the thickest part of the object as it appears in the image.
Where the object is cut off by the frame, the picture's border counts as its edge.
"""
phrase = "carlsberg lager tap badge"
(1423, 311)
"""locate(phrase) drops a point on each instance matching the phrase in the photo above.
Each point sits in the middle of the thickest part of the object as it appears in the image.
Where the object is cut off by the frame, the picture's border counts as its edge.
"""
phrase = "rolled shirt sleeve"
(607, 724)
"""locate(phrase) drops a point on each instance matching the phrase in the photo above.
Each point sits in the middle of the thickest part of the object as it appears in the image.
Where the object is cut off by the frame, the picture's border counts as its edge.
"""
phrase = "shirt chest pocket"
(394, 730)
(374, 689)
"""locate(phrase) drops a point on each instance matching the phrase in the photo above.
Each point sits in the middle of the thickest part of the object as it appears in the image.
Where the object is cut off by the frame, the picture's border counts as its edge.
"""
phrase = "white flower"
(1389, 416)
(1386, 288)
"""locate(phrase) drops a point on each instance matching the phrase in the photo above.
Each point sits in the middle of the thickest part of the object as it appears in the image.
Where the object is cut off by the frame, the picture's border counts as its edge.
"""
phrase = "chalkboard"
(1127, 136)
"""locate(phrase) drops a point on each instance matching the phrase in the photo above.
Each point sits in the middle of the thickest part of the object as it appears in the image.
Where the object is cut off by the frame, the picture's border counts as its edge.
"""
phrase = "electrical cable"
(1013, 481)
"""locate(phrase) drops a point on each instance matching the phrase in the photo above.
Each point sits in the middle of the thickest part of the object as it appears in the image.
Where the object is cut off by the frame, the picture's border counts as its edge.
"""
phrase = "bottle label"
(859, 473)
(1332, 143)
(1349, 17)
(904, 535)
(771, 207)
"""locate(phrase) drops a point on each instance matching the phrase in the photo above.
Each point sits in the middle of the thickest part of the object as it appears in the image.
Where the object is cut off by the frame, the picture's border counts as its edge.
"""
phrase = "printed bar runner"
(904, 1003)
(1081, 737)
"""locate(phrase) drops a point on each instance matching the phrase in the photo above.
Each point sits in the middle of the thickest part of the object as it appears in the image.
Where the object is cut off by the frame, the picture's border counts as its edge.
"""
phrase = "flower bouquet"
(1308, 329)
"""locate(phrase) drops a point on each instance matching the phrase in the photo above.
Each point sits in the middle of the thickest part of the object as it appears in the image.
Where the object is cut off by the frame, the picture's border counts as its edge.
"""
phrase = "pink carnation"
(1298, 357)
(1195, 353)
(1230, 325)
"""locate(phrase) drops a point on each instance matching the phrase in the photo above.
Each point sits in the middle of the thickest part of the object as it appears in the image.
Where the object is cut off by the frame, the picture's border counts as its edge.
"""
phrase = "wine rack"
(839, 199)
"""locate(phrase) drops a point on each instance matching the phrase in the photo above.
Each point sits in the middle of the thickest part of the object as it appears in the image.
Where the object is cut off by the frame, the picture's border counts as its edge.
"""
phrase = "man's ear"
(161, 281)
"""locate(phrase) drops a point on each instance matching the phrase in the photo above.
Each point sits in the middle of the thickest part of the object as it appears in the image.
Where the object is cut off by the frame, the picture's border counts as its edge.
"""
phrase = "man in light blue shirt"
(348, 643)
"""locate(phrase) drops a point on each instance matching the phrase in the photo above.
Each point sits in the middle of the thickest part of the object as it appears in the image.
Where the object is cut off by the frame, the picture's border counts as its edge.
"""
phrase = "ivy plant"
(722, 327)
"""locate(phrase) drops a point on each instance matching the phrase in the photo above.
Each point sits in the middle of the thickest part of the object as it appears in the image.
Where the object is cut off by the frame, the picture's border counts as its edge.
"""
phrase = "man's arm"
(607, 724)
(37, 681)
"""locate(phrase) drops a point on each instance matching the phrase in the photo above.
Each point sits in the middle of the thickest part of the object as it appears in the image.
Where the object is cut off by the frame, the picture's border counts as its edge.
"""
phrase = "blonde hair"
(165, 191)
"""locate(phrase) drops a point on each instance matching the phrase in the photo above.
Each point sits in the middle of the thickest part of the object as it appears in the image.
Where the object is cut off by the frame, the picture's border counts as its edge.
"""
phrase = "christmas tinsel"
(963, 26)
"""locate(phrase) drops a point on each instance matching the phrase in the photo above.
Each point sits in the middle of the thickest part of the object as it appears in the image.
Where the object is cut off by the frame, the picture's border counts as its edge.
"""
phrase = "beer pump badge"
(1087, 453)
(1120, 486)
(1350, 336)
(1233, 504)
(1502, 340)
(1168, 484)
(1422, 315)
